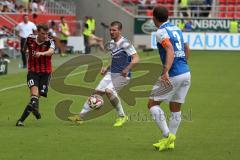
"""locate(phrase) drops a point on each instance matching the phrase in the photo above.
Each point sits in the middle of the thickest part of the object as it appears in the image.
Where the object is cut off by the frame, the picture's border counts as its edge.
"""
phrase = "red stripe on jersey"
(43, 63)
(42, 59)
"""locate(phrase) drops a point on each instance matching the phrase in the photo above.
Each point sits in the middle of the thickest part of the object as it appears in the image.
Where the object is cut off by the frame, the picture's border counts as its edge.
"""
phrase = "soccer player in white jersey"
(174, 82)
(116, 75)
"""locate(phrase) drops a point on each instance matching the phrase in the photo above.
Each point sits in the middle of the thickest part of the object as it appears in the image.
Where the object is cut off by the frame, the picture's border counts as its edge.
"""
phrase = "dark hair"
(43, 27)
(52, 23)
(62, 17)
(160, 13)
(117, 23)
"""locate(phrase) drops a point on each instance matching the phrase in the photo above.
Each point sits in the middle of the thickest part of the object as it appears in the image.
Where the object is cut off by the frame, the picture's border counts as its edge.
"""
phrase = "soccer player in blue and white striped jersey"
(116, 75)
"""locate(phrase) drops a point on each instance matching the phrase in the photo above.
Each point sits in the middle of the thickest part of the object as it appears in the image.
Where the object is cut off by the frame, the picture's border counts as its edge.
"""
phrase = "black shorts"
(40, 80)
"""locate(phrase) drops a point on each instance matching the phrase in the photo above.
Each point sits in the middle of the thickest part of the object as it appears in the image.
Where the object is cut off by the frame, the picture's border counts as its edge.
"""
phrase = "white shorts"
(176, 92)
(113, 82)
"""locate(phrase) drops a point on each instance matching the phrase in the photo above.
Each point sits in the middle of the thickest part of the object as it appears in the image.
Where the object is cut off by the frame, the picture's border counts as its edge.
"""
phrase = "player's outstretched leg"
(35, 107)
(79, 118)
(31, 107)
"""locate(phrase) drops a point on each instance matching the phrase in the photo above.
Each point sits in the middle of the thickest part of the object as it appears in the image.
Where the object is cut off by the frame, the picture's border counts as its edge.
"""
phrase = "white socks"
(116, 103)
(119, 107)
(159, 117)
(85, 109)
(174, 122)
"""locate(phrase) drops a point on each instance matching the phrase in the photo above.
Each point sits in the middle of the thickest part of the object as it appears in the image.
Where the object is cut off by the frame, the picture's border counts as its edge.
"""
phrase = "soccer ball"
(95, 101)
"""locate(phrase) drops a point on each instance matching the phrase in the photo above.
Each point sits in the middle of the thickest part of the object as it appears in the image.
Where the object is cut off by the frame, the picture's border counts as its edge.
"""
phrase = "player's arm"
(187, 50)
(49, 52)
(131, 51)
(167, 45)
(135, 60)
(104, 70)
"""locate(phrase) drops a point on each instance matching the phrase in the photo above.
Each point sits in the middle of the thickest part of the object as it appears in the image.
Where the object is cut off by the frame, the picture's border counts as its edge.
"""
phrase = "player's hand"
(38, 54)
(26, 52)
(104, 71)
(165, 78)
(125, 72)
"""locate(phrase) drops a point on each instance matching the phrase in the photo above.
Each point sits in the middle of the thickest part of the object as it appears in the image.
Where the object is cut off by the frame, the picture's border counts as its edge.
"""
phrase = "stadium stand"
(196, 8)
(39, 11)
(228, 8)
(144, 7)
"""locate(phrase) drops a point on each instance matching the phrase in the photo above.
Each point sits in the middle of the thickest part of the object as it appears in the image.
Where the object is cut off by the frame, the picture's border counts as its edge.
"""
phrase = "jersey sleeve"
(52, 44)
(161, 35)
(131, 50)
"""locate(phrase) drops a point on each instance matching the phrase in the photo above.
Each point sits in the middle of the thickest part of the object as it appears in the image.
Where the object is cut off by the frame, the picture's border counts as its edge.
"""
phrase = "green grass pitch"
(210, 129)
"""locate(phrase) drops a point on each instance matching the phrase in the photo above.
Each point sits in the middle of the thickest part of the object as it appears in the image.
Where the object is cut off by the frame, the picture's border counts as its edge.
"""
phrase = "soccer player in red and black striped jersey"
(40, 50)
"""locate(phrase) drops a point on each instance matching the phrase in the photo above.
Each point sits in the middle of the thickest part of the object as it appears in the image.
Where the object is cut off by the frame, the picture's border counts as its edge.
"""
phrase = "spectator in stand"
(152, 4)
(233, 26)
(5, 9)
(24, 29)
(41, 6)
(64, 34)
(196, 7)
(11, 5)
(206, 8)
(183, 7)
(142, 4)
(1, 7)
(21, 9)
(188, 26)
(34, 6)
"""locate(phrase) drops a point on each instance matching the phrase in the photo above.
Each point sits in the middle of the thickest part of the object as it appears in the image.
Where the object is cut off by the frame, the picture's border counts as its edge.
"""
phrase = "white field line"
(70, 75)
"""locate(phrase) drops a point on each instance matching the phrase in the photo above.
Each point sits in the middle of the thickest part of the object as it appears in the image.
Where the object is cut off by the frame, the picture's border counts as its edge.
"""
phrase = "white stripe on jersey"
(173, 28)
